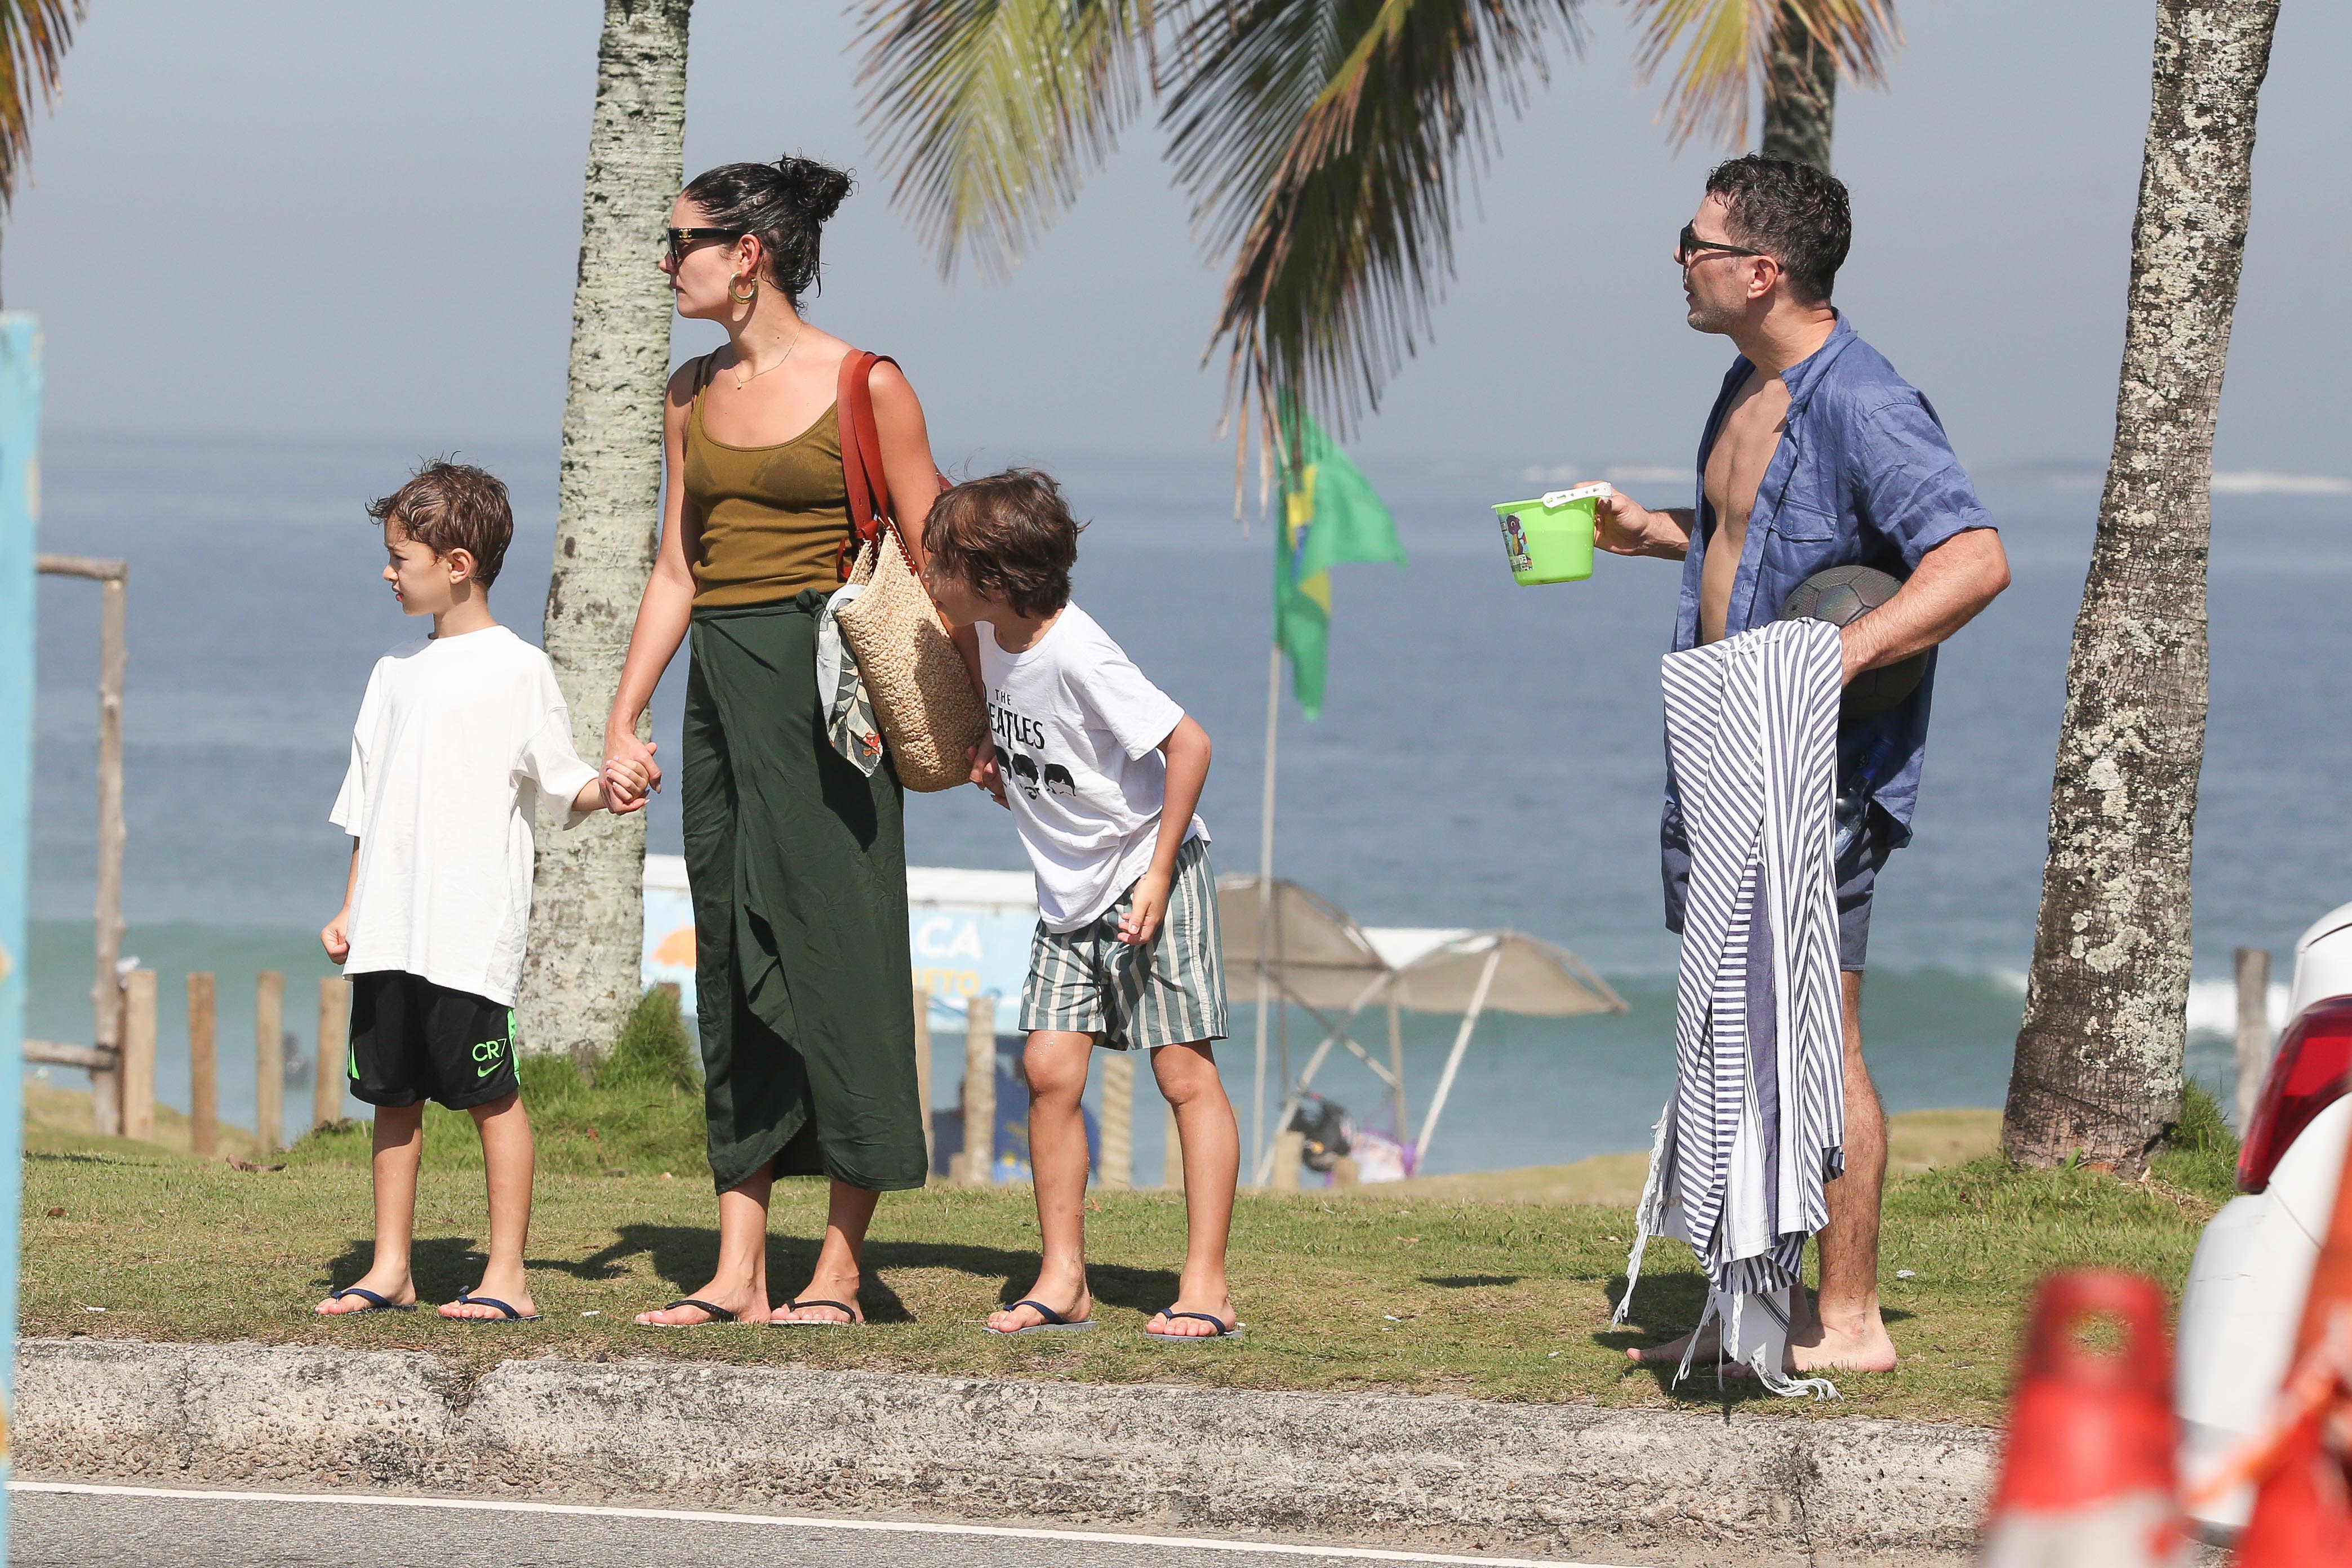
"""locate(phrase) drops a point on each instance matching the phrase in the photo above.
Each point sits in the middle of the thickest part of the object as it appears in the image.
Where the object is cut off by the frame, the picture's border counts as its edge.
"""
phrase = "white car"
(2243, 1302)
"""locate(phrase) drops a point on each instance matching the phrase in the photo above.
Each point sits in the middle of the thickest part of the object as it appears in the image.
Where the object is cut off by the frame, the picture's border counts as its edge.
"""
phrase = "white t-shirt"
(457, 737)
(1077, 733)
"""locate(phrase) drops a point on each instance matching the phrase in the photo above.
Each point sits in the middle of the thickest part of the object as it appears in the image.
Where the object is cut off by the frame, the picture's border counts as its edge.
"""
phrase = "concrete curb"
(1539, 1481)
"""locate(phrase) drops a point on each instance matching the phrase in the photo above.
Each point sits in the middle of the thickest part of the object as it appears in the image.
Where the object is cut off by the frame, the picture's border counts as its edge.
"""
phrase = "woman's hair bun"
(783, 205)
(816, 189)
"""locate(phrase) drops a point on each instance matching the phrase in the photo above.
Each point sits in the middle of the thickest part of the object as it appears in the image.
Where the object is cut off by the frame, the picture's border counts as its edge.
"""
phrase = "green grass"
(1505, 1299)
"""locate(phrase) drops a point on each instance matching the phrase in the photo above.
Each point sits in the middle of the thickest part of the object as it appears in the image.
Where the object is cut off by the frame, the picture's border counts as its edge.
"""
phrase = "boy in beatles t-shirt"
(459, 736)
(1101, 772)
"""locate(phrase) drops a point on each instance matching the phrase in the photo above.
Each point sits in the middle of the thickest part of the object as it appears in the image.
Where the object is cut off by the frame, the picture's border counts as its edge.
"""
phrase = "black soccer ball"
(1841, 596)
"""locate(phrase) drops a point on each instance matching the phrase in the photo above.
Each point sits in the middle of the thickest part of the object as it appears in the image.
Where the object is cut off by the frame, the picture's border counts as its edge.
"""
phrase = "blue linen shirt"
(1862, 475)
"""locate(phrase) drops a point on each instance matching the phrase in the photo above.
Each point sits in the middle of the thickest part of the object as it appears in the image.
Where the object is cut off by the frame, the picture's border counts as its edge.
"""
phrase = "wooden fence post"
(269, 1062)
(107, 991)
(1288, 1146)
(979, 1157)
(204, 1069)
(1118, 1172)
(138, 1068)
(2254, 1037)
(334, 1031)
(923, 1070)
(1172, 1156)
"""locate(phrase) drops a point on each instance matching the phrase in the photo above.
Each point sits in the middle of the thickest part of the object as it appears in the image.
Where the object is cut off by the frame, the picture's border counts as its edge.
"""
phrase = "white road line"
(801, 1521)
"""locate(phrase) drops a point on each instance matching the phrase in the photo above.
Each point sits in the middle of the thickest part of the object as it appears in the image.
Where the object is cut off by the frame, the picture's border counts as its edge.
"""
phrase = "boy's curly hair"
(1008, 537)
(449, 506)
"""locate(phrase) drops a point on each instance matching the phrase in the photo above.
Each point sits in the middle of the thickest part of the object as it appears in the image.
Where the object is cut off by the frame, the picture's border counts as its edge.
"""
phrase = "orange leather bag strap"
(861, 449)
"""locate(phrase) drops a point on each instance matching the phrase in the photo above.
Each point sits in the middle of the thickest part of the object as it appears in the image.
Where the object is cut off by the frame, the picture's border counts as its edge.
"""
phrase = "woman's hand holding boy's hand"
(335, 935)
(1141, 922)
(630, 771)
(986, 772)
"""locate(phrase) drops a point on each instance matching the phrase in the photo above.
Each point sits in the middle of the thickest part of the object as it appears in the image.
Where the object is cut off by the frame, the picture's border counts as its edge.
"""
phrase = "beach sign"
(968, 934)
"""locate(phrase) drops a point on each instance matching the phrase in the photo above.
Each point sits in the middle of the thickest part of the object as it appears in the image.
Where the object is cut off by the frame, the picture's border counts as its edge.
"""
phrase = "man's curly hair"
(1794, 212)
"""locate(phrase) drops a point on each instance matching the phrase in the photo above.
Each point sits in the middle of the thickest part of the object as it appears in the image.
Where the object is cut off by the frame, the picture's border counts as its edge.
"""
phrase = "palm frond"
(1330, 141)
(1724, 45)
(994, 112)
(34, 36)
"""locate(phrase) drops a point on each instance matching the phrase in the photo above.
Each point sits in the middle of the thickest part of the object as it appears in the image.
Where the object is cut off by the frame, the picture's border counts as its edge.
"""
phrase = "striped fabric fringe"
(1756, 1126)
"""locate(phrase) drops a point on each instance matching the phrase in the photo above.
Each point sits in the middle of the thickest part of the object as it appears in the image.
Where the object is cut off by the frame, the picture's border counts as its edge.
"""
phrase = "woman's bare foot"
(498, 1285)
(1671, 1353)
(748, 1307)
(821, 1290)
(1053, 1293)
(395, 1288)
(1215, 1302)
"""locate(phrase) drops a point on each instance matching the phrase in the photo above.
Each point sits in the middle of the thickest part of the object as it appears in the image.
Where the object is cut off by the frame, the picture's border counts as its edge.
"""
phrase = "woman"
(797, 860)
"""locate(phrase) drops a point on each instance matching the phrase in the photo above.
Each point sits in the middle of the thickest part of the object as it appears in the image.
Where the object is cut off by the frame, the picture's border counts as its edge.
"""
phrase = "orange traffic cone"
(2087, 1479)
(2303, 1512)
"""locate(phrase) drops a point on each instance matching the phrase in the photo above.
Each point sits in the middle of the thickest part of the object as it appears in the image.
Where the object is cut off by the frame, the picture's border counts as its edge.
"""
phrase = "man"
(1817, 455)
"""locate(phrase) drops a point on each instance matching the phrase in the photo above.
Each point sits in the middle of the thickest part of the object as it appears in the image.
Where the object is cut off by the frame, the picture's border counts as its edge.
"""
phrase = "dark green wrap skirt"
(798, 865)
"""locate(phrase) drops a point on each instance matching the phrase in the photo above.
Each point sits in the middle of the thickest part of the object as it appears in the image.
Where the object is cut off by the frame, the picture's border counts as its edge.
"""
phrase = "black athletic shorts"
(412, 1041)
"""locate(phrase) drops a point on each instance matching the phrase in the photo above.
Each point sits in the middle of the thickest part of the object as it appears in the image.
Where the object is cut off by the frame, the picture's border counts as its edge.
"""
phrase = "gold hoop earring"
(743, 299)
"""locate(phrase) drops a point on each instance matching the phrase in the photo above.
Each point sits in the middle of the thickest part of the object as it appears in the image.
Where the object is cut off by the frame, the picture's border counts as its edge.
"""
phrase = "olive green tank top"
(773, 518)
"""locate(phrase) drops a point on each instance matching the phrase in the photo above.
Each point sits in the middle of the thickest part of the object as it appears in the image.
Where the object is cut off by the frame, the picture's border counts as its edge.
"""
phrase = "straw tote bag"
(918, 684)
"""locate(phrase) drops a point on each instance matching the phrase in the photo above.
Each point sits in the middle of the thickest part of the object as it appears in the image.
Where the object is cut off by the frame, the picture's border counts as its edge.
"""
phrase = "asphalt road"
(55, 1526)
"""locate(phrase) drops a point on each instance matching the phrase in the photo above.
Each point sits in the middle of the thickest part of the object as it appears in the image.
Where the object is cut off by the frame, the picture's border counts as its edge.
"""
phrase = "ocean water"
(1489, 756)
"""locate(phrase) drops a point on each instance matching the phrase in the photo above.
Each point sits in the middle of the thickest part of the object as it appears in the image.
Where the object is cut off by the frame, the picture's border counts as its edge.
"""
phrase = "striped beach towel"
(1757, 1122)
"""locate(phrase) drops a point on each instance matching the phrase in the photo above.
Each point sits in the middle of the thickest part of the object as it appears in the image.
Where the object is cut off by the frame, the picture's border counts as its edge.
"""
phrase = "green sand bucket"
(1550, 539)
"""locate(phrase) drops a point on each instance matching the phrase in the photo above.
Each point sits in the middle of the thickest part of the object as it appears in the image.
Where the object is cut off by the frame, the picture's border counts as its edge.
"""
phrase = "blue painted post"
(20, 430)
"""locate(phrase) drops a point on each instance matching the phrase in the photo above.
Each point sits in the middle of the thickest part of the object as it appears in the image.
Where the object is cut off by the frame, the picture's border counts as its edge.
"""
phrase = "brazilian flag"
(1330, 514)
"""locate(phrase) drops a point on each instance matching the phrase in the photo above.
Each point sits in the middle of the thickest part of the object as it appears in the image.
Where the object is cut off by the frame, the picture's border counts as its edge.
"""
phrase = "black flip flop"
(375, 1303)
(1224, 1330)
(719, 1315)
(1055, 1322)
(507, 1314)
(855, 1321)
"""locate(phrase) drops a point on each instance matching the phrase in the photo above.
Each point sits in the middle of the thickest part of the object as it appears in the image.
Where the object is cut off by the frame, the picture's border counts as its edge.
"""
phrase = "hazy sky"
(299, 218)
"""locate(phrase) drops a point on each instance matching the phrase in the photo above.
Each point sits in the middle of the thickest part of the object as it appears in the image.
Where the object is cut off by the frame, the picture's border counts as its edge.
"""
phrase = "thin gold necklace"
(743, 381)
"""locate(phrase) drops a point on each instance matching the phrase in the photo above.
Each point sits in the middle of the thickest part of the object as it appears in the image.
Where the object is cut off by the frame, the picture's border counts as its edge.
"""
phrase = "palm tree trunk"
(581, 976)
(1799, 92)
(2098, 1066)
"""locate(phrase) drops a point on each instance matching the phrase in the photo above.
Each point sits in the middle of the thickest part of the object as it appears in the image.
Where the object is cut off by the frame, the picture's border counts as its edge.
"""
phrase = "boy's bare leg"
(507, 1158)
(740, 1285)
(1056, 1063)
(1213, 1158)
(1843, 1330)
(399, 1149)
(848, 1210)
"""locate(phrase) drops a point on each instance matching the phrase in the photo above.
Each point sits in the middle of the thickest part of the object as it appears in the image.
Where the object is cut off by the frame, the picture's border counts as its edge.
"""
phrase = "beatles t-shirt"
(1078, 732)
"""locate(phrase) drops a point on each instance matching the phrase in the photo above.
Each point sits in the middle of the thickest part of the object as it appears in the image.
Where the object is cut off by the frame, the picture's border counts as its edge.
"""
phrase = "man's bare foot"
(1813, 1346)
(495, 1286)
(740, 1299)
(814, 1303)
(1219, 1306)
(1013, 1319)
(397, 1289)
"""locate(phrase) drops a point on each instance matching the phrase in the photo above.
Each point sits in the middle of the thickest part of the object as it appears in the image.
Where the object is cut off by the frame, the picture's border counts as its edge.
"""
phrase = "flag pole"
(1265, 916)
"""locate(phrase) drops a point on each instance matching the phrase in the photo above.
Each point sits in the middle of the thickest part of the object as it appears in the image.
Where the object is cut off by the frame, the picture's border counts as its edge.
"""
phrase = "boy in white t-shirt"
(458, 737)
(1101, 772)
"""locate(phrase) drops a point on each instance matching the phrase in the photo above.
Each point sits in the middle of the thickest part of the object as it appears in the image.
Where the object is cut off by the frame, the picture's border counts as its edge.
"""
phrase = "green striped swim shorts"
(1170, 991)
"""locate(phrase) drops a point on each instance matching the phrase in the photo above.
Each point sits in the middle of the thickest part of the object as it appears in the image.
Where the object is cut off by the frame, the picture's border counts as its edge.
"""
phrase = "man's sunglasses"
(1686, 247)
(679, 239)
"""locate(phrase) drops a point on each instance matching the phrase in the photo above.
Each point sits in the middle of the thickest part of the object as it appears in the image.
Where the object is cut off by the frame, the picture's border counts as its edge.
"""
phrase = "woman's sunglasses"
(1686, 247)
(679, 239)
